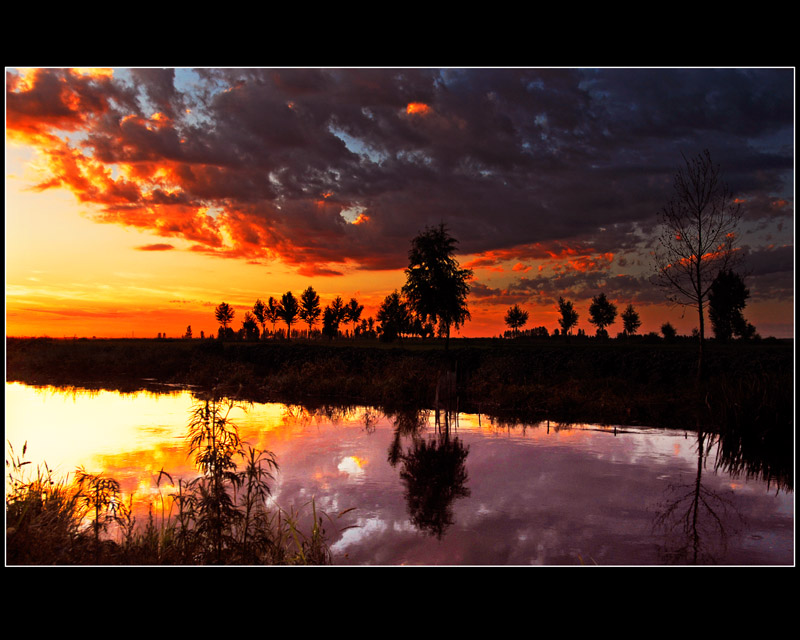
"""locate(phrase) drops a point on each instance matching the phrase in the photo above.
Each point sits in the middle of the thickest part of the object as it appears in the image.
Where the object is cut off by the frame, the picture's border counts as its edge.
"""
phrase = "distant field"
(620, 381)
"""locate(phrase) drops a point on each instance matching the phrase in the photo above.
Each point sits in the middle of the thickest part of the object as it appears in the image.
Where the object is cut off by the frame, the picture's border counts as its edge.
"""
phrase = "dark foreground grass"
(612, 381)
(222, 516)
(747, 398)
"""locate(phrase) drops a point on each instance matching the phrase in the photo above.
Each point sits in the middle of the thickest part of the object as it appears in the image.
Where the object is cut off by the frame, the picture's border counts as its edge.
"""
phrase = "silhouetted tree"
(668, 331)
(698, 230)
(602, 313)
(188, 334)
(569, 317)
(330, 322)
(516, 318)
(394, 316)
(353, 312)
(338, 312)
(630, 320)
(436, 287)
(288, 310)
(309, 308)
(224, 314)
(726, 301)
(260, 313)
(249, 326)
(272, 312)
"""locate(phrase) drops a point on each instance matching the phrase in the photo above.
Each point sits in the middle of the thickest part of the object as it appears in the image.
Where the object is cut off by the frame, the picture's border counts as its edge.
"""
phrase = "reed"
(43, 515)
(222, 516)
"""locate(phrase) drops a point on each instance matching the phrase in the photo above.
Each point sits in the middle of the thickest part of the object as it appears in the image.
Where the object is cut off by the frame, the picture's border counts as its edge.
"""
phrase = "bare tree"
(698, 232)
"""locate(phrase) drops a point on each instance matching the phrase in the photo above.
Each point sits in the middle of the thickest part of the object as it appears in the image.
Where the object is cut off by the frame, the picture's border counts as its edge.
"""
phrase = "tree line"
(694, 264)
(694, 261)
(289, 311)
(602, 314)
(726, 301)
(432, 301)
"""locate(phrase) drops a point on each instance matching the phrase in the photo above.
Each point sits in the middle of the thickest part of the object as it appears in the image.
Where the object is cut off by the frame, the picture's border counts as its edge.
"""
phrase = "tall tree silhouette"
(394, 316)
(260, 313)
(353, 312)
(436, 287)
(698, 232)
(569, 317)
(516, 318)
(288, 310)
(338, 312)
(630, 320)
(726, 301)
(330, 322)
(273, 307)
(309, 308)
(250, 326)
(602, 313)
(224, 314)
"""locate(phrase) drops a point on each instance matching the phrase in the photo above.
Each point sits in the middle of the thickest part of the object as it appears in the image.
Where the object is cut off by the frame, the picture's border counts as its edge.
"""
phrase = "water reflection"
(432, 468)
(462, 489)
(697, 521)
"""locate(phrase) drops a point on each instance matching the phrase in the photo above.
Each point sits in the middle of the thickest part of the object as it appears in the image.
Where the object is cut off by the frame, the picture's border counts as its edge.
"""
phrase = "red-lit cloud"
(156, 247)
(554, 172)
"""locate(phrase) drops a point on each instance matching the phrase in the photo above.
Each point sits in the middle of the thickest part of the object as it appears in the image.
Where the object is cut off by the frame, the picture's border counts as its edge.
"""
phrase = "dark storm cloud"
(507, 158)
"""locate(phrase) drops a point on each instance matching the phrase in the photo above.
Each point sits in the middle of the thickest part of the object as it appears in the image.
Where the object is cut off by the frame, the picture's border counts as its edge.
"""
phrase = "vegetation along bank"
(620, 381)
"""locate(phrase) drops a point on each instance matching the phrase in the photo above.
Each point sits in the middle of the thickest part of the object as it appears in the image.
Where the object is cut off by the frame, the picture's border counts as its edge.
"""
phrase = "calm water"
(468, 491)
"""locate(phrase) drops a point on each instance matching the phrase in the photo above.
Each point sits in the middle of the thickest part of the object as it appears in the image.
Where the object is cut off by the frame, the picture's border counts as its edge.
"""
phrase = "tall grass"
(43, 515)
(225, 515)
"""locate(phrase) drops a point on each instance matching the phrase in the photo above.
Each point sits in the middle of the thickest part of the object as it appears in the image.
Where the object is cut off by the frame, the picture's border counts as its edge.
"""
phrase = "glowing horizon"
(133, 207)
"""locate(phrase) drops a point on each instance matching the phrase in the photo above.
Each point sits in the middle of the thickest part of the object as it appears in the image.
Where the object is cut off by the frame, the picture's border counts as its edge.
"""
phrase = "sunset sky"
(139, 199)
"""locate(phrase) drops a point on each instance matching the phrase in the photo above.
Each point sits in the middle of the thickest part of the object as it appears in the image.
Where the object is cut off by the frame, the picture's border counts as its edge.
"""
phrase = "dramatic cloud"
(552, 177)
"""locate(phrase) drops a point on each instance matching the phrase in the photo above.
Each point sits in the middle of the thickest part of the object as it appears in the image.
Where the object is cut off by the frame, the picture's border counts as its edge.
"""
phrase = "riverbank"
(631, 381)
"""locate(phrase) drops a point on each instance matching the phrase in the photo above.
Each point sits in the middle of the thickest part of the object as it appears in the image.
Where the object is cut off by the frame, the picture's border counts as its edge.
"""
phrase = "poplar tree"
(436, 287)
(309, 308)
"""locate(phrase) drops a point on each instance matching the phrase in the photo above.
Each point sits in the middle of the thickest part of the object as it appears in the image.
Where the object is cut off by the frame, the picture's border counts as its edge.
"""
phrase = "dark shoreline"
(627, 382)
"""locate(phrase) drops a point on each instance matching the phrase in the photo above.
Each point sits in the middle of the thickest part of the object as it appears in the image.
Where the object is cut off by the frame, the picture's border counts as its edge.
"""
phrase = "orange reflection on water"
(140, 438)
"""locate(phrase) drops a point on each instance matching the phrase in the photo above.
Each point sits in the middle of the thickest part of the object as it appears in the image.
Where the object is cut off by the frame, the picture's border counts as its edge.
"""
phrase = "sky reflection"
(542, 494)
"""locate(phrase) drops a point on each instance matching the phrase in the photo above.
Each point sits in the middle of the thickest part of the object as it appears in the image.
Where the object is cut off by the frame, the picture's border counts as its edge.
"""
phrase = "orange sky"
(81, 260)
(69, 276)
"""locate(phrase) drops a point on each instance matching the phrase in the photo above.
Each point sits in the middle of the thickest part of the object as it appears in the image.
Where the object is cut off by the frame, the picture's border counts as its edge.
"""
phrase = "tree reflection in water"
(433, 468)
(696, 521)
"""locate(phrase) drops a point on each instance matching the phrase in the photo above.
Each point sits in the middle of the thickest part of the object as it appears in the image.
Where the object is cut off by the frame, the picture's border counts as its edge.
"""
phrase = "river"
(428, 489)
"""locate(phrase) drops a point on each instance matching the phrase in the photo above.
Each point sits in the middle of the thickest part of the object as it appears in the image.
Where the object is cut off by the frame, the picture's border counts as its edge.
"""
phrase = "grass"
(634, 381)
(223, 516)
